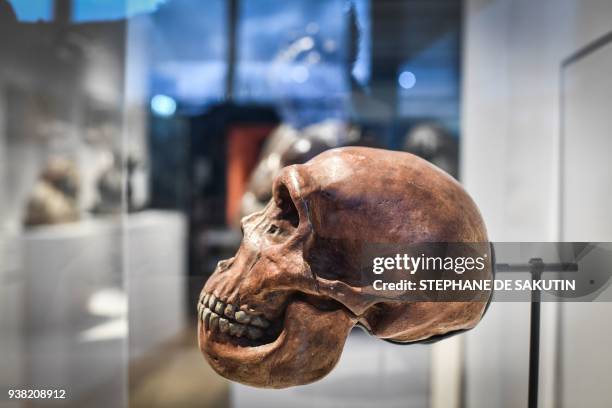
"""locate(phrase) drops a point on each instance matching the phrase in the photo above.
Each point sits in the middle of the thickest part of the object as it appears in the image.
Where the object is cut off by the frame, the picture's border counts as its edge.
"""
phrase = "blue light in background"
(300, 74)
(84, 10)
(97, 10)
(91, 10)
(362, 67)
(33, 10)
(406, 80)
(163, 105)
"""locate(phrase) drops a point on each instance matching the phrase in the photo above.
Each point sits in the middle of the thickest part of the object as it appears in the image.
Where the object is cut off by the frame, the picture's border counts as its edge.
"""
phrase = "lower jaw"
(287, 360)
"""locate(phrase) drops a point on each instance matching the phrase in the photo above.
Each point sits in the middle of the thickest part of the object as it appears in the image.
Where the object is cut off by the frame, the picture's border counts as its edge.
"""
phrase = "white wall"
(585, 371)
(510, 164)
(511, 90)
(513, 50)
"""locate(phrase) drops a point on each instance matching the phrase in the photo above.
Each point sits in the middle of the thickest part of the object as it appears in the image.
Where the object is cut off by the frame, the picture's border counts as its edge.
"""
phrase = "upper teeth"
(229, 319)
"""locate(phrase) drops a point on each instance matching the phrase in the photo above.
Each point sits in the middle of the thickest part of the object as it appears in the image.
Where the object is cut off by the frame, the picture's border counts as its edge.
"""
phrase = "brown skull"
(278, 313)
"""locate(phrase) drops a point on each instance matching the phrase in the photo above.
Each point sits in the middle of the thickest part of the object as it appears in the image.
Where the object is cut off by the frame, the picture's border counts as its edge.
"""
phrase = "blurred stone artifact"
(277, 314)
(287, 146)
(110, 185)
(54, 198)
(433, 143)
(109, 188)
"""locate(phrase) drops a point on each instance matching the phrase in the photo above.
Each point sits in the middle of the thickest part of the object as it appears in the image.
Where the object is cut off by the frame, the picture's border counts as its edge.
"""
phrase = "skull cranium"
(278, 313)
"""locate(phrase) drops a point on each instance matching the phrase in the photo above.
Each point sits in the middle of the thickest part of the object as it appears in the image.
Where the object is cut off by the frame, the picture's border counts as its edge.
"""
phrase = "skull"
(277, 314)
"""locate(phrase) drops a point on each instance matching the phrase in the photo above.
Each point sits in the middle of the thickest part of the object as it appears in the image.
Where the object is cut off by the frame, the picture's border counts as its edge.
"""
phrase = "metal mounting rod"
(536, 267)
(546, 267)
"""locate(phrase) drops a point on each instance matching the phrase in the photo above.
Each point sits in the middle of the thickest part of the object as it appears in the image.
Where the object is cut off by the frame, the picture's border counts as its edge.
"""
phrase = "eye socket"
(273, 229)
(285, 203)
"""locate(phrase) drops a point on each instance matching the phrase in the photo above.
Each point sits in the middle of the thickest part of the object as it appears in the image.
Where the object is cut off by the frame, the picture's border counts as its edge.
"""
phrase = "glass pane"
(63, 303)
(134, 137)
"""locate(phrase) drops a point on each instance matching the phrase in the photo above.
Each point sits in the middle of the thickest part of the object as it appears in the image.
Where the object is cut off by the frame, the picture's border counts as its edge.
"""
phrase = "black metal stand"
(536, 267)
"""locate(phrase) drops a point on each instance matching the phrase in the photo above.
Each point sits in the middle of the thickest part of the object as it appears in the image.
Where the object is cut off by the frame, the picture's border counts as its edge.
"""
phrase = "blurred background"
(134, 135)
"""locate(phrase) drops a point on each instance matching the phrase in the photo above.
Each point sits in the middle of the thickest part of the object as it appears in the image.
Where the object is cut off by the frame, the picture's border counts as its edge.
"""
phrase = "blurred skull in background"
(54, 198)
(287, 146)
(433, 143)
